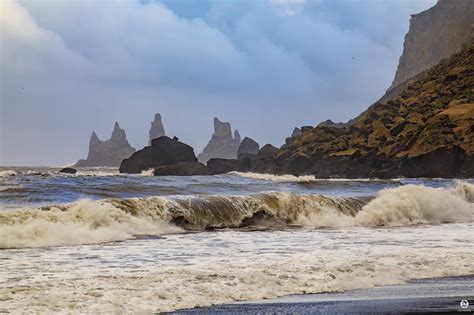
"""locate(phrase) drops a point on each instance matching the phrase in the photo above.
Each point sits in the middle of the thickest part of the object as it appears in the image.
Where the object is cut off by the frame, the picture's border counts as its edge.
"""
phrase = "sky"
(68, 68)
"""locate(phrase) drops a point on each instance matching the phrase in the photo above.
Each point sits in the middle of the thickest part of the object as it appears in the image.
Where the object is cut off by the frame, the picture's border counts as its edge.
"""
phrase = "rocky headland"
(422, 127)
(426, 131)
(109, 153)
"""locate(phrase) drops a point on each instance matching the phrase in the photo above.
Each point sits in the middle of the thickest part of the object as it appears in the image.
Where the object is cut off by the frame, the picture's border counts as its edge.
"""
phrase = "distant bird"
(175, 138)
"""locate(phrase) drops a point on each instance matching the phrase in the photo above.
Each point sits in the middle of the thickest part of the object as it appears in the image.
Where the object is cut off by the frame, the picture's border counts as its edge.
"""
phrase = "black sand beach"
(426, 296)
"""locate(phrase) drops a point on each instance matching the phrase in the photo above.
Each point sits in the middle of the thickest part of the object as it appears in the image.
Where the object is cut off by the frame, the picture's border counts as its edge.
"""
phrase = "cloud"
(70, 67)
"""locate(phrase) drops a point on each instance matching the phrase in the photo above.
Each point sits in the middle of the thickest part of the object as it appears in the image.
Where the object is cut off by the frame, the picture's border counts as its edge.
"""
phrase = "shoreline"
(423, 296)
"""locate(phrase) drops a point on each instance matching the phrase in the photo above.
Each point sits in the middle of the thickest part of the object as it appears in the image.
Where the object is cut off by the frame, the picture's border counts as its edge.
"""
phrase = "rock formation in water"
(108, 153)
(434, 34)
(426, 131)
(156, 130)
(248, 146)
(261, 161)
(68, 170)
(222, 144)
(166, 156)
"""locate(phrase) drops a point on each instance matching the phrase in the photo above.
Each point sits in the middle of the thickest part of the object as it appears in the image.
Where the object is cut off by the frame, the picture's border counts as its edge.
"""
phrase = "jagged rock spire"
(107, 153)
(157, 129)
(237, 136)
(222, 144)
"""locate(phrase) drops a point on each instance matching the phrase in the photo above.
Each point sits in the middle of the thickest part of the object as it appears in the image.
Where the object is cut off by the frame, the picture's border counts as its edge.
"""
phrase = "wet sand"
(426, 296)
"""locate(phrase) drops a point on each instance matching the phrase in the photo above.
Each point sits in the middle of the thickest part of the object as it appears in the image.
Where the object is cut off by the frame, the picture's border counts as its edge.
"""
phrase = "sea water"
(100, 241)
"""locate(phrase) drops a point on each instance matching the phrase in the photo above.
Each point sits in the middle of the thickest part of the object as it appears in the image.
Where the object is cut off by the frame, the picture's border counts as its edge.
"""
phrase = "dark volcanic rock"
(68, 170)
(138, 162)
(163, 151)
(267, 151)
(306, 129)
(330, 123)
(297, 163)
(296, 132)
(265, 160)
(222, 144)
(107, 153)
(222, 166)
(442, 162)
(156, 130)
(427, 130)
(188, 168)
(248, 146)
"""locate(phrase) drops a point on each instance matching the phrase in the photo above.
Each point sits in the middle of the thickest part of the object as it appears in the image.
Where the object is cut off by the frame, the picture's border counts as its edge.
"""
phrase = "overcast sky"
(70, 67)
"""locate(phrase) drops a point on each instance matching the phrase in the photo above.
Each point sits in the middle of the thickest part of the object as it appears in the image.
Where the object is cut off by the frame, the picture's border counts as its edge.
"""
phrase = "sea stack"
(156, 130)
(108, 153)
(222, 144)
(165, 156)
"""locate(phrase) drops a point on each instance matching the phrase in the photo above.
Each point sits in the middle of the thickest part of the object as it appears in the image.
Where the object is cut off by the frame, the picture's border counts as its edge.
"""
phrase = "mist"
(68, 68)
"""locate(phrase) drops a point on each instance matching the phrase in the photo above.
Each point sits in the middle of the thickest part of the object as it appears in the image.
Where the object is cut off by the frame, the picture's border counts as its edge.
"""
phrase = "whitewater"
(83, 242)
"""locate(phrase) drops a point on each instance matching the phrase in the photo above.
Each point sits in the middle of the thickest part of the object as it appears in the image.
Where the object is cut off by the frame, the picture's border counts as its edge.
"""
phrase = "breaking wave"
(148, 172)
(87, 221)
(305, 178)
(275, 178)
(7, 173)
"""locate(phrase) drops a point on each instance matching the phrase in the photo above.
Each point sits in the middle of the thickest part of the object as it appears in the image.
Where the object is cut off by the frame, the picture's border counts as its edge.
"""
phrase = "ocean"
(100, 241)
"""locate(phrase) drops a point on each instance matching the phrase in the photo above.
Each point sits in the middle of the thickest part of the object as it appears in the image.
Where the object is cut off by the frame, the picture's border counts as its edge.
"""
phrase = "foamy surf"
(8, 173)
(87, 280)
(87, 221)
(84, 222)
(305, 178)
(148, 172)
(102, 173)
(275, 178)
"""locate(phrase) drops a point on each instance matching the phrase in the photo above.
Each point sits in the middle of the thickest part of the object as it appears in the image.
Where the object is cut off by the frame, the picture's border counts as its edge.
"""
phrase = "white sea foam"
(275, 178)
(89, 221)
(8, 173)
(196, 273)
(417, 204)
(84, 222)
(101, 173)
(305, 178)
(148, 172)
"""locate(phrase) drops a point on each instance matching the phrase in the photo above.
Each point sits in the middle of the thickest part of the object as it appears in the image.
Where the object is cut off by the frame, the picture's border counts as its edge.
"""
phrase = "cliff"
(222, 144)
(427, 130)
(108, 153)
(434, 34)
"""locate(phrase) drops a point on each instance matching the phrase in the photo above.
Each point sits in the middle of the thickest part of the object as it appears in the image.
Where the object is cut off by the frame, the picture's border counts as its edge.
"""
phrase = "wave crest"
(417, 204)
(89, 221)
(8, 173)
(84, 222)
(275, 178)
